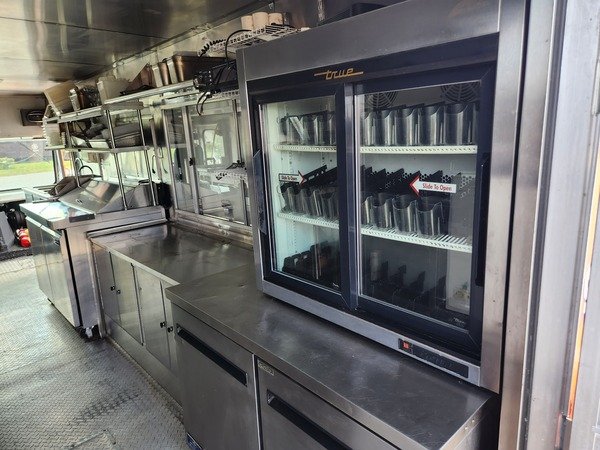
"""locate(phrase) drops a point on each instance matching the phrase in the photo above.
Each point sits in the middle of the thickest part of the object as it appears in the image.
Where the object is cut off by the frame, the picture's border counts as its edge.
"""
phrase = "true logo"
(336, 74)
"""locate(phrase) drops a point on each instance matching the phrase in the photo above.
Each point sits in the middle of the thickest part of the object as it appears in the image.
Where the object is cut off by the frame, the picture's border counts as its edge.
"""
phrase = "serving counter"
(316, 383)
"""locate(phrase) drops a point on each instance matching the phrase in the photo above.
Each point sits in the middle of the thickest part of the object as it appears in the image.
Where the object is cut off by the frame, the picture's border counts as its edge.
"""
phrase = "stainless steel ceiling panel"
(154, 18)
(44, 70)
(50, 42)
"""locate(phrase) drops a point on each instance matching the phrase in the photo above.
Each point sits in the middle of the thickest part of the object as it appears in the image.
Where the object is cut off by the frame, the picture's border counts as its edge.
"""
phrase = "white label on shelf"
(418, 185)
(291, 177)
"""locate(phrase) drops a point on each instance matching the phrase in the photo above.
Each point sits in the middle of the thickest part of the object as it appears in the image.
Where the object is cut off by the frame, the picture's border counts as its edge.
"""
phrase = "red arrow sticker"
(418, 185)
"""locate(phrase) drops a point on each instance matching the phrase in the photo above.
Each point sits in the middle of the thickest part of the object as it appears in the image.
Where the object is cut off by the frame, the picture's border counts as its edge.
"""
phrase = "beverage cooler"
(371, 180)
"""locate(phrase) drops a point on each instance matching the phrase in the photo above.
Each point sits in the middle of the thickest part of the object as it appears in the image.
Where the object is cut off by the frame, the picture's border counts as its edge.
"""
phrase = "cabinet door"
(217, 375)
(39, 257)
(170, 329)
(59, 272)
(295, 419)
(152, 312)
(127, 297)
(106, 284)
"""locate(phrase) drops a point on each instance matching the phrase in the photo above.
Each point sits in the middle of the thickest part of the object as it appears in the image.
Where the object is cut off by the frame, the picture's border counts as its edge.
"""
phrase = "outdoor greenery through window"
(24, 163)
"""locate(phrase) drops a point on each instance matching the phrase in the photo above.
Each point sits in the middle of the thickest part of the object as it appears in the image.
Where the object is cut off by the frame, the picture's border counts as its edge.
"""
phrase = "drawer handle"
(215, 357)
(304, 423)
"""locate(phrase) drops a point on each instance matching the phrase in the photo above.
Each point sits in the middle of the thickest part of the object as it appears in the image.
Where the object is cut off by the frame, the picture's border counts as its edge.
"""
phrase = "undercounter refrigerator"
(371, 179)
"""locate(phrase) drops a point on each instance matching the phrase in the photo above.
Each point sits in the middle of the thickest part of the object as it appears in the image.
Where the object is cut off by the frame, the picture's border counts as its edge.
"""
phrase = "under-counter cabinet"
(137, 316)
(218, 387)
(295, 419)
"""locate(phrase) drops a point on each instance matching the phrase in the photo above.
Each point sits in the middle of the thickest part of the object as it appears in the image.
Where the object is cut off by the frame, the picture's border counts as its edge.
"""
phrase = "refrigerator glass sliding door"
(301, 165)
(417, 169)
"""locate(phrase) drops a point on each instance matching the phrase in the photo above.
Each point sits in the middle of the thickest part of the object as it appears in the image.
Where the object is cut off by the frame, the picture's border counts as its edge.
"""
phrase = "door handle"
(214, 356)
(303, 423)
(112, 288)
(170, 329)
(163, 324)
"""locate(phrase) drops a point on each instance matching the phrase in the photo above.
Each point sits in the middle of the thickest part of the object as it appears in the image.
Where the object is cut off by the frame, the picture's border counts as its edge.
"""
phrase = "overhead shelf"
(248, 38)
(98, 111)
(444, 241)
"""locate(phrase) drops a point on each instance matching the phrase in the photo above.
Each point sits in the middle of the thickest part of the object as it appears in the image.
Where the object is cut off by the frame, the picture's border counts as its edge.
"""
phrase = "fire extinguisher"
(23, 237)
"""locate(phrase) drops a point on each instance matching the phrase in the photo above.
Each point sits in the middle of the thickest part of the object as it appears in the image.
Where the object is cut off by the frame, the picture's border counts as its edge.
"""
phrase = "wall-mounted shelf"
(98, 111)
(248, 38)
(444, 241)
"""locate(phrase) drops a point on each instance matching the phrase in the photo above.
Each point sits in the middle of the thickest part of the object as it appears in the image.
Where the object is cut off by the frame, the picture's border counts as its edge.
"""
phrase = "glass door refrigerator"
(371, 185)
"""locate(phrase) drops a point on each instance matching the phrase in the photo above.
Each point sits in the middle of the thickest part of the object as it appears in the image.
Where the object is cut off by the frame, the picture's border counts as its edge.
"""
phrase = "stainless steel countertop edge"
(379, 426)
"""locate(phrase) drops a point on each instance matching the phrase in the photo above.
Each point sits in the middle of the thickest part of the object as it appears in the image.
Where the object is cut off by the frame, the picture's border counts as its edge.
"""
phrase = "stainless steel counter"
(56, 215)
(174, 254)
(406, 402)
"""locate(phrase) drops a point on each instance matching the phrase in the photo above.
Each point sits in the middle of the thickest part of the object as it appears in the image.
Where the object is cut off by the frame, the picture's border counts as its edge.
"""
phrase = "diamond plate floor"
(58, 391)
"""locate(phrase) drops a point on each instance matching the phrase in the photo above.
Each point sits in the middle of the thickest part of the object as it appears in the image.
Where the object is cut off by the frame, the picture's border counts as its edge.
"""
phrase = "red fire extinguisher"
(23, 237)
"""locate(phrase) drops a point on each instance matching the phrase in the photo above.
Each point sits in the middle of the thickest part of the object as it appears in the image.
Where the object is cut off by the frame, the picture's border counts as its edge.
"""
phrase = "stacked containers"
(308, 129)
(427, 125)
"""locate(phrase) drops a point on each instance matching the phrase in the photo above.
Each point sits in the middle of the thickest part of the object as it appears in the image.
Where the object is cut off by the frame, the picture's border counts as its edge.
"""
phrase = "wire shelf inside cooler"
(442, 241)
(391, 150)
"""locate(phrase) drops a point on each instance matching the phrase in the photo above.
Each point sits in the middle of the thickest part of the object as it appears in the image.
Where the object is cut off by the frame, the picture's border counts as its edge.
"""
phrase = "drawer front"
(295, 419)
(218, 384)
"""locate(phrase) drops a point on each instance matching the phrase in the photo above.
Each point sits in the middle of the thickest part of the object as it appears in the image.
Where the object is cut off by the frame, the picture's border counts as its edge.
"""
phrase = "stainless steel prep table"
(172, 253)
(133, 267)
(403, 401)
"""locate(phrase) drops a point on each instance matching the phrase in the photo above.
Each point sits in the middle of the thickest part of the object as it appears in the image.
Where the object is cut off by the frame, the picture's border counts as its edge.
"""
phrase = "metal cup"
(297, 131)
(407, 126)
(381, 211)
(329, 203)
(367, 209)
(388, 118)
(329, 128)
(370, 127)
(430, 216)
(431, 119)
(458, 122)
(405, 207)
(474, 124)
